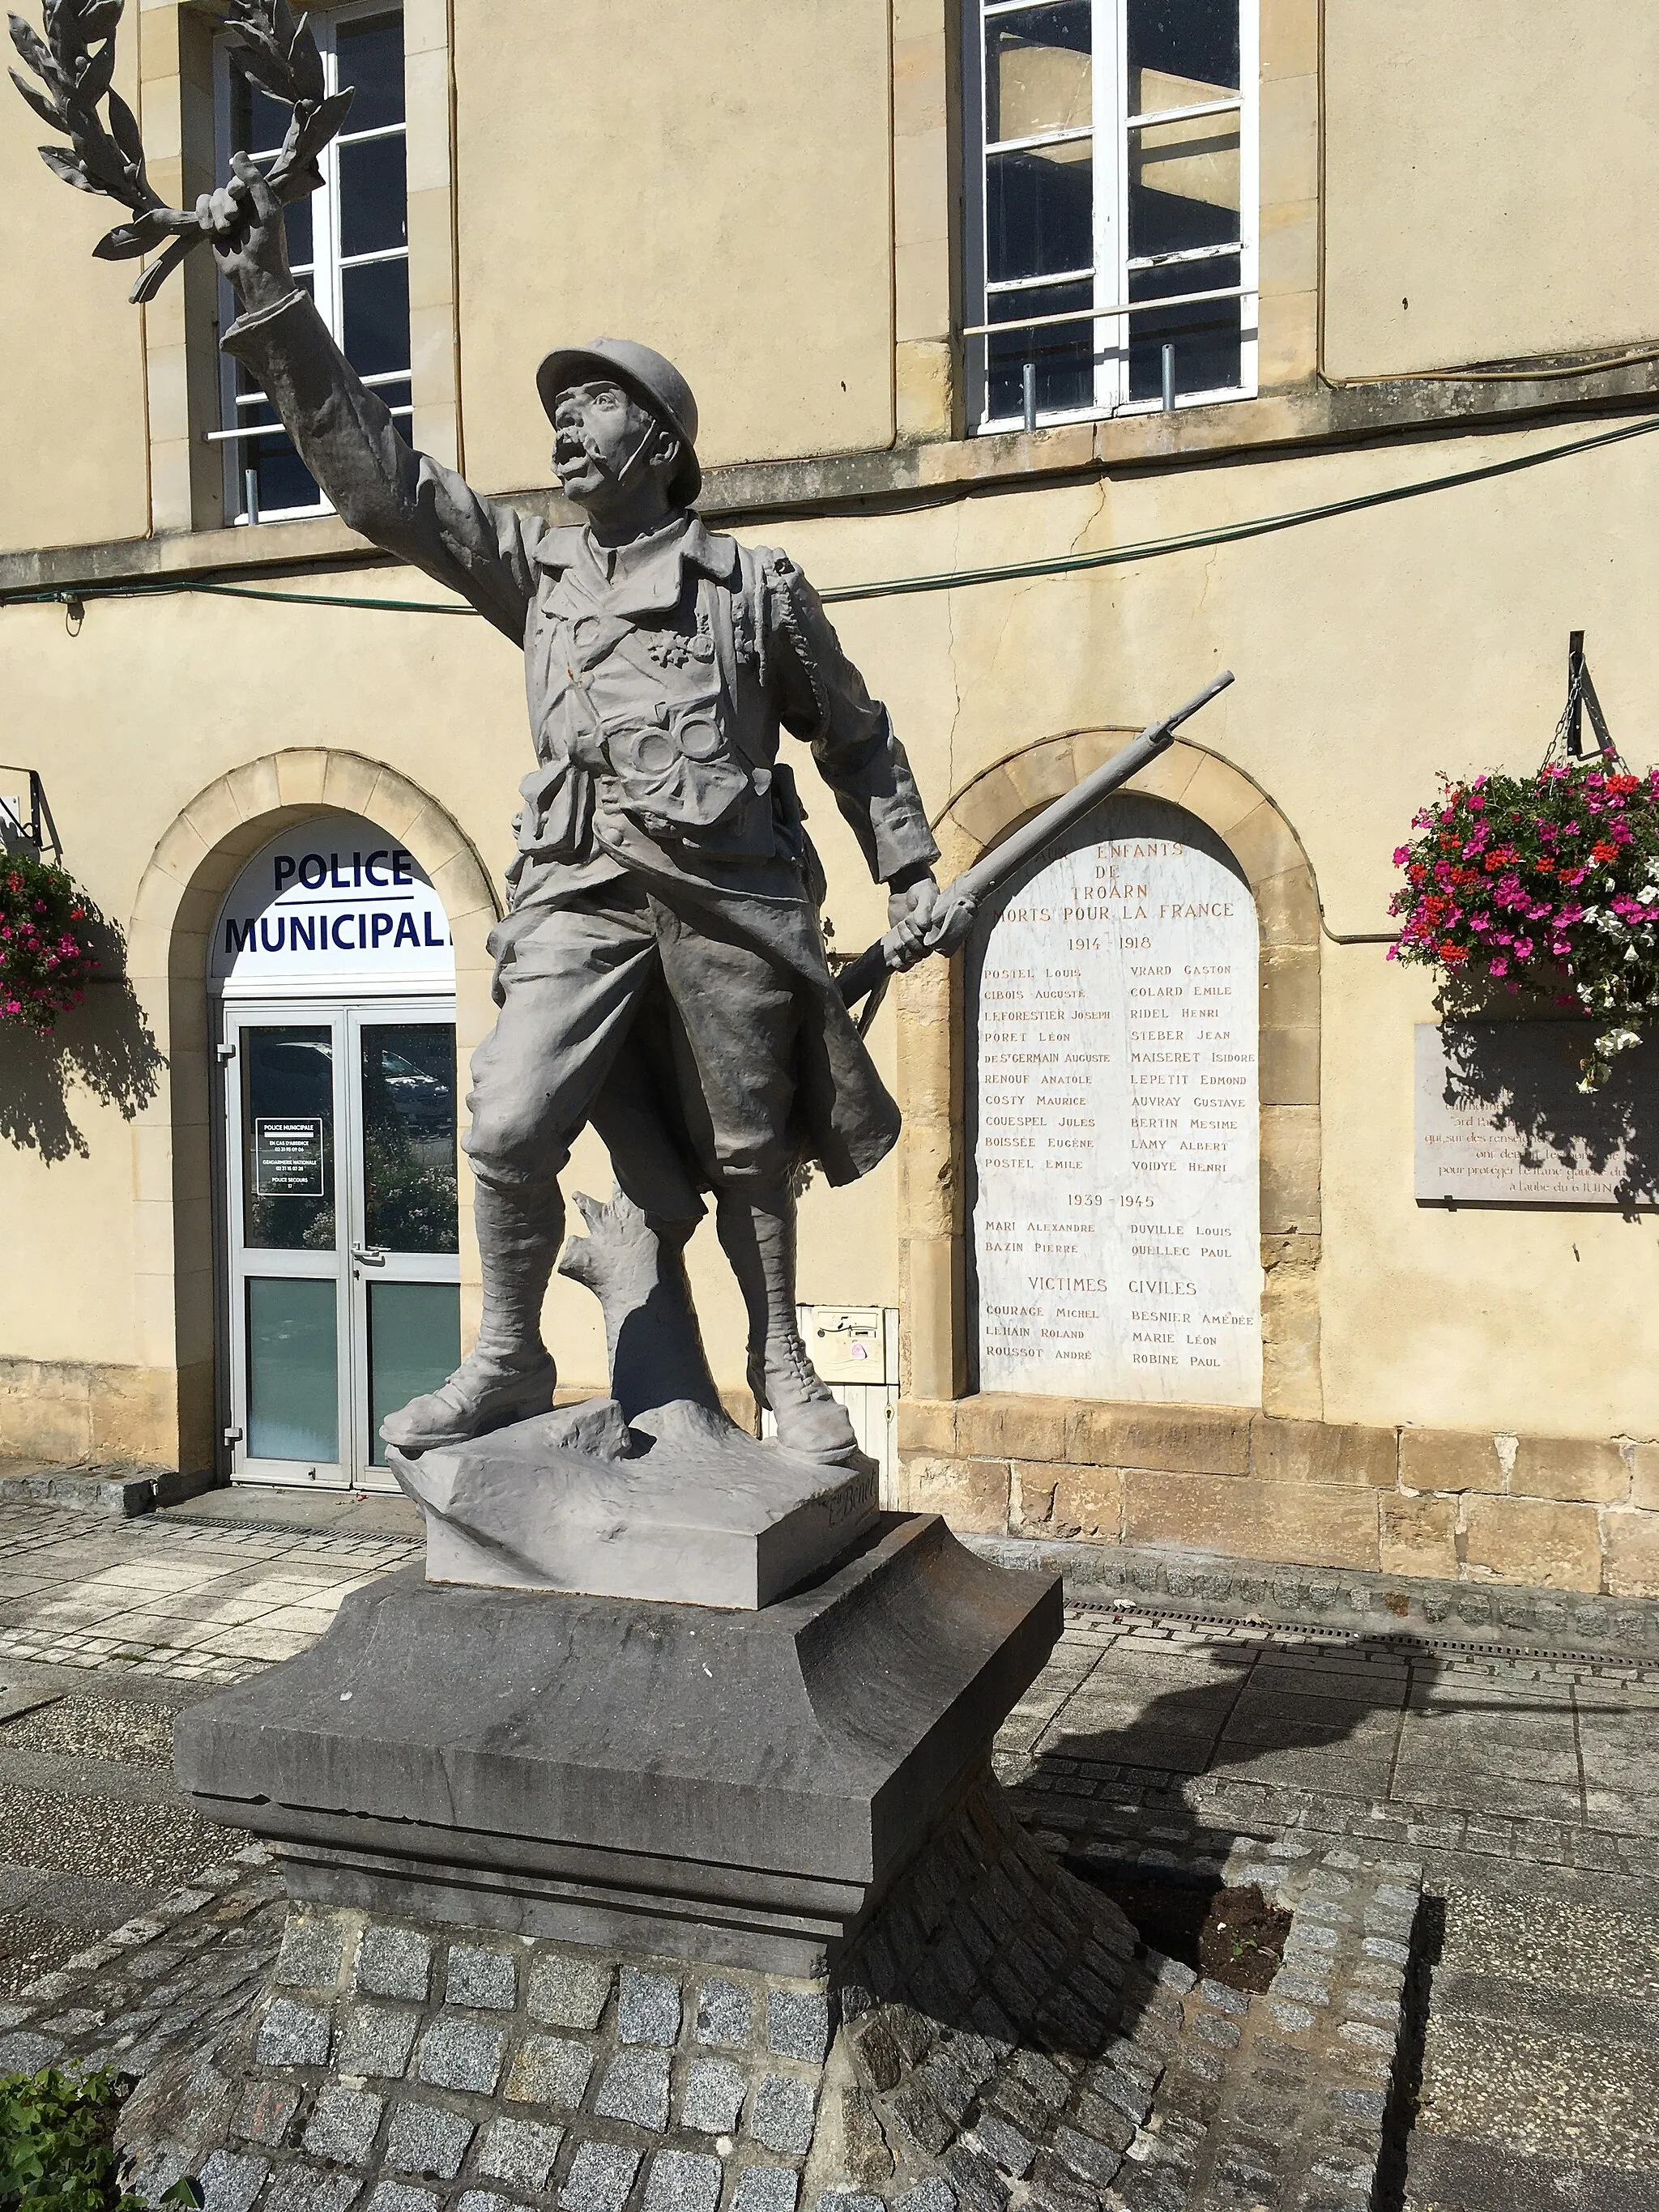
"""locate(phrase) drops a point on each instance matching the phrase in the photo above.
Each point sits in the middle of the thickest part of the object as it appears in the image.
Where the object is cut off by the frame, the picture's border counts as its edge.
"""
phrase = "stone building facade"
(1406, 455)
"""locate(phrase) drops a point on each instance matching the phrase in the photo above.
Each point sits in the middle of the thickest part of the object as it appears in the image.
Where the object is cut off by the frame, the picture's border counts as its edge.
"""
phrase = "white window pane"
(1208, 337)
(1038, 71)
(258, 124)
(370, 57)
(1183, 185)
(1039, 211)
(1061, 353)
(375, 297)
(373, 197)
(1180, 53)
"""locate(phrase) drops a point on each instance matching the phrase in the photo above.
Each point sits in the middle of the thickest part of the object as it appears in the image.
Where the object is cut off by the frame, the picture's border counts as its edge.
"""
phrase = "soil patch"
(1234, 1936)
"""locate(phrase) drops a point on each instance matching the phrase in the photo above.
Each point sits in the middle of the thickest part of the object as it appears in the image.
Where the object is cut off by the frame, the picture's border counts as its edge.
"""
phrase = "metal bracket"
(40, 830)
(1581, 697)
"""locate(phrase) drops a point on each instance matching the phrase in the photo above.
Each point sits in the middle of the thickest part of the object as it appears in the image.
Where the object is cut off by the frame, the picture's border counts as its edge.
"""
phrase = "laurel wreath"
(75, 64)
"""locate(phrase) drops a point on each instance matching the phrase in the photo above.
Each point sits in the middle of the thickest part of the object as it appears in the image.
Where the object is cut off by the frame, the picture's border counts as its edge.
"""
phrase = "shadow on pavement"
(1312, 1716)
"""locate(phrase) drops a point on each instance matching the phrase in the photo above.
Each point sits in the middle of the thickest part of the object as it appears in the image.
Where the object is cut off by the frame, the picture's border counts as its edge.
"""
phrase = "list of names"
(1116, 1222)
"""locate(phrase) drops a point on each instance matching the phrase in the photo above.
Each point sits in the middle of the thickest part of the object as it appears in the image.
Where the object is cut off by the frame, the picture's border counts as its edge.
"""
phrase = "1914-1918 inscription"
(1116, 1210)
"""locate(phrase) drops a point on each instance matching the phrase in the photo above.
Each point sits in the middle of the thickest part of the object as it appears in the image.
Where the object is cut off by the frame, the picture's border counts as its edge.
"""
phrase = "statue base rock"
(732, 1786)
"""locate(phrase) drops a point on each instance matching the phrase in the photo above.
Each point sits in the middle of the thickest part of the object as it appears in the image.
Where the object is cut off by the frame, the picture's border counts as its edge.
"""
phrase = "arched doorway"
(179, 1169)
(333, 978)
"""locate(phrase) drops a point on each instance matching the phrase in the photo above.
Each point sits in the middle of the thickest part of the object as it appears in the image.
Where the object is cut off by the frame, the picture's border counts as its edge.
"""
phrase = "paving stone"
(342, 2124)
(649, 2010)
(849, 2200)
(933, 2195)
(230, 2184)
(635, 2088)
(311, 1954)
(767, 2189)
(798, 2024)
(977, 2184)
(712, 2098)
(568, 1992)
(725, 2013)
(549, 2069)
(291, 2034)
(781, 2114)
(459, 2053)
(376, 2040)
(400, 2196)
(682, 2181)
(487, 1978)
(428, 2139)
(264, 2110)
(1223, 1999)
(1004, 2145)
(1214, 2028)
(394, 1962)
(309, 2189)
(521, 2151)
(601, 2174)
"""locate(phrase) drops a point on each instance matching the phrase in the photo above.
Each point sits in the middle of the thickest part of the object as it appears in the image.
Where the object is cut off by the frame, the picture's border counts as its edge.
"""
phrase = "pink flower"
(1500, 967)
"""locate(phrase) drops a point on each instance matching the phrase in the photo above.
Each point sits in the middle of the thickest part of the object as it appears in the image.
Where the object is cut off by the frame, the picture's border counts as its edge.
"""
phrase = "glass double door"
(343, 1275)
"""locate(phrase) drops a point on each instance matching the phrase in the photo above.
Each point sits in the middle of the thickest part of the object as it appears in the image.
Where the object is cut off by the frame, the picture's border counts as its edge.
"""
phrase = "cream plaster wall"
(439, 699)
(1490, 170)
(71, 350)
(714, 180)
(1371, 650)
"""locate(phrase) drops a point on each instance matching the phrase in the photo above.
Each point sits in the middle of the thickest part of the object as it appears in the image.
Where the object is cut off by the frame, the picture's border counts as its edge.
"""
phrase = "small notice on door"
(288, 1159)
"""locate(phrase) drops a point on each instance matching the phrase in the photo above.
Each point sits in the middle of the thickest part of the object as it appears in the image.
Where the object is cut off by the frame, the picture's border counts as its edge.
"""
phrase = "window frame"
(1109, 130)
(326, 267)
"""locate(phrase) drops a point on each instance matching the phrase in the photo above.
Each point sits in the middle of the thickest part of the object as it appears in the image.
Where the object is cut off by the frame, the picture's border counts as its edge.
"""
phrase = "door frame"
(230, 1012)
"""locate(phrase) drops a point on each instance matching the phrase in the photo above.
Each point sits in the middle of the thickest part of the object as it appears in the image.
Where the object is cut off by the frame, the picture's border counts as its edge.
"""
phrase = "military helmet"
(652, 379)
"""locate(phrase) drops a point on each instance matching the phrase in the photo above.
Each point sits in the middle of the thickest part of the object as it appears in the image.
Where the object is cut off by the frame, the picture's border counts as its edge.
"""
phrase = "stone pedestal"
(682, 1508)
(734, 1786)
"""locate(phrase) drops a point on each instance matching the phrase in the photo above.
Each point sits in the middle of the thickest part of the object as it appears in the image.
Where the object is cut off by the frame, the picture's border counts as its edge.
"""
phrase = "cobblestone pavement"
(1527, 1786)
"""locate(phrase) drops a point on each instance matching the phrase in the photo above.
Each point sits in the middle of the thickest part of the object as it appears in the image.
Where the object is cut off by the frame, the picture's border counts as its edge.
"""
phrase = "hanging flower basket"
(46, 956)
(1543, 883)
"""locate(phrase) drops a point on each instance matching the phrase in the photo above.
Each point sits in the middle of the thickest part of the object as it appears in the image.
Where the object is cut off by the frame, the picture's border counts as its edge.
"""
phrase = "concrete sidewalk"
(1526, 1783)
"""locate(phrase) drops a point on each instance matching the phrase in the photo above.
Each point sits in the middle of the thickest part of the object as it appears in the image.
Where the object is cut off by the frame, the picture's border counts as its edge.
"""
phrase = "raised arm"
(406, 501)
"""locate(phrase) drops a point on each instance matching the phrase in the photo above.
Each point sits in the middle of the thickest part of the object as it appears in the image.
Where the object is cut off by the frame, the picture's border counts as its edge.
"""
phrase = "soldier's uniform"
(662, 970)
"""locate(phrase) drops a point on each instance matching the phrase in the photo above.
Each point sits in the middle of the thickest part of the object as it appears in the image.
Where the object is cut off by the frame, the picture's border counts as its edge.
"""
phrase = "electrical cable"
(948, 580)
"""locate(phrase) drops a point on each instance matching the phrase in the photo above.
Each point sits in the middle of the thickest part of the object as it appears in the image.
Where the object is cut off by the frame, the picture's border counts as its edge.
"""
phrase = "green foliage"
(45, 954)
(1548, 883)
(58, 2146)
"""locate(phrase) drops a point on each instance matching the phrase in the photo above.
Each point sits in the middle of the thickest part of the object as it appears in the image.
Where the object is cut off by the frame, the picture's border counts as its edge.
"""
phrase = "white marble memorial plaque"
(1500, 1120)
(1116, 1218)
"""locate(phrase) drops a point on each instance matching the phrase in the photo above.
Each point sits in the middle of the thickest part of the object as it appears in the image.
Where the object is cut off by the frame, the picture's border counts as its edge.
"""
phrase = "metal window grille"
(348, 246)
(1112, 221)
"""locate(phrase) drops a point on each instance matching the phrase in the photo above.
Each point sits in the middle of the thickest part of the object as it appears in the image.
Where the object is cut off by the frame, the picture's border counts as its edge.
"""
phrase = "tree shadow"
(1522, 1078)
(104, 1047)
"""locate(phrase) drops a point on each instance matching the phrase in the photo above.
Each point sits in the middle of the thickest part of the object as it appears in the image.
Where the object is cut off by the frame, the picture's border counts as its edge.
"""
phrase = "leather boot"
(756, 1228)
(509, 1374)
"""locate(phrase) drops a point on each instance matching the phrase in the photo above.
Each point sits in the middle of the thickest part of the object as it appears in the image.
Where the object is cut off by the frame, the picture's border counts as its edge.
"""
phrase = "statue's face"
(602, 438)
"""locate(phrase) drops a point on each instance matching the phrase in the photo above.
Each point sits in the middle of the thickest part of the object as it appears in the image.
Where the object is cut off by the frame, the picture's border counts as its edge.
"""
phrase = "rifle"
(868, 976)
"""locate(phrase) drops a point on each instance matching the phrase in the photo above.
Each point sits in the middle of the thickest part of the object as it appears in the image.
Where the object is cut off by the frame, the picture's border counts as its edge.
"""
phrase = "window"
(348, 244)
(1112, 223)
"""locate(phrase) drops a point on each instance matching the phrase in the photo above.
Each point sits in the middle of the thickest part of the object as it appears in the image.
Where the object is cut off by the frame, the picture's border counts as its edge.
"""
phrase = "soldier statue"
(661, 972)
